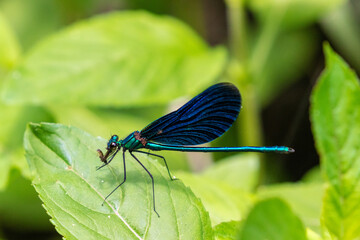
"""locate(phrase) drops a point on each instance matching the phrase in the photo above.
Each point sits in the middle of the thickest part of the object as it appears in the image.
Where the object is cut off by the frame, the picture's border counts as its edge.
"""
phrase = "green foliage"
(225, 188)
(31, 216)
(276, 55)
(239, 171)
(13, 121)
(185, 52)
(30, 21)
(48, 71)
(227, 230)
(9, 48)
(115, 73)
(272, 219)
(342, 28)
(165, 62)
(290, 47)
(303, 198)
(335, 114)
(295, 13)
(312, 235)
(223, 201)
(62, 162)
(313, 176)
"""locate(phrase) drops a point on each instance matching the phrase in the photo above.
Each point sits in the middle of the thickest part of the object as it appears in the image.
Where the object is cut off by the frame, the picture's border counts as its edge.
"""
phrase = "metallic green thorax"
(131, 142)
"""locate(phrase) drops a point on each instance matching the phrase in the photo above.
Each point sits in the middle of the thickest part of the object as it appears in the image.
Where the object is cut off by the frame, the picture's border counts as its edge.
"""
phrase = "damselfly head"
(113, 142)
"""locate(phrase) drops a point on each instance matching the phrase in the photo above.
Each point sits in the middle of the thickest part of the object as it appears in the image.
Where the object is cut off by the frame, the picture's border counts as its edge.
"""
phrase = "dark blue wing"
(202, 119)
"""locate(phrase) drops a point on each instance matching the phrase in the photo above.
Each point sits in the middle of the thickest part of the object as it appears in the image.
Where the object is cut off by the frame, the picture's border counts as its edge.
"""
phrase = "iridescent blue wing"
(202, 119)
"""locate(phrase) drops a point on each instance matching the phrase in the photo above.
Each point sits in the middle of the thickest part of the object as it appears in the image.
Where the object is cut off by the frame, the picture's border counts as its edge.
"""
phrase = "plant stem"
(265, 42)
(237, 30)
(250, 127)
(245, 69)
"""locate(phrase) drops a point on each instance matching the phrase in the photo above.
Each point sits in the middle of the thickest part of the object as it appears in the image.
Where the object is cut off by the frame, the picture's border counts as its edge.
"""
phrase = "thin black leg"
(122, 181)
(152, 180)
(152, 154)
(111, 158)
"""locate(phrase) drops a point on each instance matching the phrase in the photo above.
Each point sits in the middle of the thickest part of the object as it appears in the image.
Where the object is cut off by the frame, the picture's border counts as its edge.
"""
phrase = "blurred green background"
(108, 78)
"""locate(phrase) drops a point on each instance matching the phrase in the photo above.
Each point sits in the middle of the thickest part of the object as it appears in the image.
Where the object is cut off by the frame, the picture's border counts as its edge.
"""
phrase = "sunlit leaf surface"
(335, 115)
(63, 162)
(272, 219)
(117, 59)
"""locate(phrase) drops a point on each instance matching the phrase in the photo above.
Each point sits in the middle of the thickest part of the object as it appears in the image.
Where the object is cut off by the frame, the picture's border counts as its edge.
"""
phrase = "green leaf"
(239, 171)
(63, 162)
(294, 13)
(304, 199)
(13, 122)
(9, 47)
(118, 59)
(222, 201)
(272, 219)
(313, 176)
(227, 230)
(310, 235)
(341, 27)
(289, 58)
(105, 123)
(32, 20)
(335, 116)
(9, 158)
(20, 207)
(99, 122)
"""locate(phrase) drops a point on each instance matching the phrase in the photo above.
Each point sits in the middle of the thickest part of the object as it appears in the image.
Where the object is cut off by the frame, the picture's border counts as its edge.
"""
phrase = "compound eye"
(114, 137)
(113, 144)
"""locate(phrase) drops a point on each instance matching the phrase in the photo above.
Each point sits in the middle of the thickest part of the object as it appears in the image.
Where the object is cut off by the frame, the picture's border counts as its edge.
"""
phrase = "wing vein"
(202, 119)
